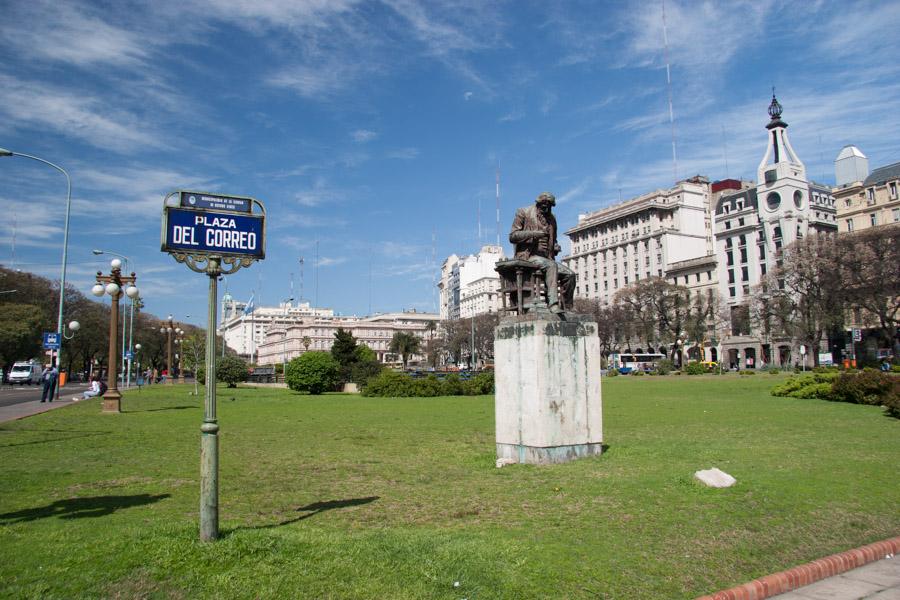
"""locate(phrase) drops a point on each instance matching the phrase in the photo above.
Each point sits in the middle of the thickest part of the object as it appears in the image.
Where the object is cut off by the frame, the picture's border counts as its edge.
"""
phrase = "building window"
(697, 276)
(731, 292)
(896, 213)
(892, 188)
(873, 219)
(741, 222)
(743, 240)
(746, 290)
(762, 268)
(729, 258)
(743, 255)
(745, 276)
(728, 242)
(730, 275)
(870, 196)
(849, 224)
(727, 224)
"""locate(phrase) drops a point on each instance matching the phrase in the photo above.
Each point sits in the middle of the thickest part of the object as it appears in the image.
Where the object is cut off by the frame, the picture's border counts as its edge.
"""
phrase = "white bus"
(628, 362)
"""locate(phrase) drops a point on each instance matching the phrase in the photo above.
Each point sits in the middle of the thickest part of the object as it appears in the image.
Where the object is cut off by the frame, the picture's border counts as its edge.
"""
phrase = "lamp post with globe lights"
(179, 343)
(114, 285)
(169, 329)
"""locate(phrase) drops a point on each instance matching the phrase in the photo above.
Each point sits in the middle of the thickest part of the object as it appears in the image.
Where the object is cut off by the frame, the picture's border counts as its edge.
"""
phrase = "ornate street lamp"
(179, 341)
(114, 284)
(168, 329)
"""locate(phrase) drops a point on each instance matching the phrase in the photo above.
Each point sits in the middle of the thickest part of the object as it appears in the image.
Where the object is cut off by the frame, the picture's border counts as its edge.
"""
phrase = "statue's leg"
(551, 274)
(567, 281)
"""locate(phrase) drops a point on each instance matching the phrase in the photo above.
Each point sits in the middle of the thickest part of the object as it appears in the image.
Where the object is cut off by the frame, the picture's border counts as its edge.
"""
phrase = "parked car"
(25, 371)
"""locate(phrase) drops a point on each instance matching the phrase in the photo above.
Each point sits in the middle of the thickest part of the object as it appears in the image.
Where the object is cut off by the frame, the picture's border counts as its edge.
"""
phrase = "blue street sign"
(51, 340)
(214, 202)
(129, 355)
(213, 233)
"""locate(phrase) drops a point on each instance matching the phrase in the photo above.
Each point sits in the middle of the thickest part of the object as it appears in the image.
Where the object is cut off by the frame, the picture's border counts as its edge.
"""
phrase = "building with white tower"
(752, 225)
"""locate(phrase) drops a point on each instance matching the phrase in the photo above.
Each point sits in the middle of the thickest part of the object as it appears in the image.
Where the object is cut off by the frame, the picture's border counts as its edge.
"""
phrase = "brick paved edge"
(785, 581)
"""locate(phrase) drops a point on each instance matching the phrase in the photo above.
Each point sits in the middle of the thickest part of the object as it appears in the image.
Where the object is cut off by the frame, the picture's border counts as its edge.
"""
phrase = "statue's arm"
(519, 234)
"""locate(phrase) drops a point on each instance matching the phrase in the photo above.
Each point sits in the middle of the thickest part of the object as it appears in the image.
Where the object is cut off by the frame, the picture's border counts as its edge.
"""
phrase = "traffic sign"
(129, 355)
(857, 335)
(215, 201)
(209, 232)
(51, 340)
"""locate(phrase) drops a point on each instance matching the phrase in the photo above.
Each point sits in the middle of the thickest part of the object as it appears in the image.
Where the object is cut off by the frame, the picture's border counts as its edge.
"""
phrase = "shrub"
(612, 373)
(365, 370)
(232, 370)
(313, 372)
(822, 391)
(637, 373)
(481, 384)
(746, 372)
(868, 387)
(664, 366)
(694, 368)
(389, 383)
(773, 370)
(826, 370)
(427, 387)
(453, 385)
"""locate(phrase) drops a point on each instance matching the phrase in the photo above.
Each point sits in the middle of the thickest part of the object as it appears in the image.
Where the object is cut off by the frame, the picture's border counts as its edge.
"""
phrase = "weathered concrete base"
(534, 455)
(548, 405)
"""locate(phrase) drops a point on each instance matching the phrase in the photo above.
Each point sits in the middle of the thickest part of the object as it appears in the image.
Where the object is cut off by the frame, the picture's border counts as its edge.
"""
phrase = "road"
(10, 395)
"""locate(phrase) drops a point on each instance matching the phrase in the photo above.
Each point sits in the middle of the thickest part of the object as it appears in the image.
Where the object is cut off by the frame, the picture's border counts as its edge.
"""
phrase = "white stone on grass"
(715, 478)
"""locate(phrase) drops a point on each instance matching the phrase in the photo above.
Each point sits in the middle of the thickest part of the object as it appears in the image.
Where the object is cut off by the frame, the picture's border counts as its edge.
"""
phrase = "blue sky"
(374, 128)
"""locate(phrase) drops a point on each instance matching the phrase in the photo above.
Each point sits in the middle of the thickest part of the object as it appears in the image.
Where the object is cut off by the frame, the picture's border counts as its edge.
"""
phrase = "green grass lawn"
(341, 496)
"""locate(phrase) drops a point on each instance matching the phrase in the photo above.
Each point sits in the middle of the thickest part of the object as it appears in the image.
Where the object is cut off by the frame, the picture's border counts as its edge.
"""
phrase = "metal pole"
(112, 397)
(130, 341)
(209, 431)
(62, 276)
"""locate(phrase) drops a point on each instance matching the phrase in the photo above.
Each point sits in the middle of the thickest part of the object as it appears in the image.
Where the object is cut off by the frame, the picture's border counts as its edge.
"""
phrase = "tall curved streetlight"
(62, 277)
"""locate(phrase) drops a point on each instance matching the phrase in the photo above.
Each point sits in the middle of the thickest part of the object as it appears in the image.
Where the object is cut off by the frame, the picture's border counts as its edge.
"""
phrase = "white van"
(26, 372)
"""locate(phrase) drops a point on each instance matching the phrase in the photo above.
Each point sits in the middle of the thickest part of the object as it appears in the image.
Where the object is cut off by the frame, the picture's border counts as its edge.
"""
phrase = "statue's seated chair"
(522, 286)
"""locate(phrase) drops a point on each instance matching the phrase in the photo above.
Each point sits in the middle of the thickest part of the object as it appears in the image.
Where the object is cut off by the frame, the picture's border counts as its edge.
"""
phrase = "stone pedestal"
(548, 405)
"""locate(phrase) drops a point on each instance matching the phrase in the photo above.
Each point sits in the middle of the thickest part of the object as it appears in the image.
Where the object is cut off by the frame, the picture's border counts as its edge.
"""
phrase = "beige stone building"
(285, 340)
(617, 246)
(869, 202)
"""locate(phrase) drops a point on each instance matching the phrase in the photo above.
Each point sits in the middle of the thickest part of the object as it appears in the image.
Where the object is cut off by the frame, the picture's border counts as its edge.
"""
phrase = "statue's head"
(545, 201)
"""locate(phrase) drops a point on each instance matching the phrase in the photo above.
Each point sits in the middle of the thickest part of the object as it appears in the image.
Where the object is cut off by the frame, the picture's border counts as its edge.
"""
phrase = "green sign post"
(215, 235)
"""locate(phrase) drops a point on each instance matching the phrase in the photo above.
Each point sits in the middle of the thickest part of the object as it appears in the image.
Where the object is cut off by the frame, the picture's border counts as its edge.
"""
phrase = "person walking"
(48, 380)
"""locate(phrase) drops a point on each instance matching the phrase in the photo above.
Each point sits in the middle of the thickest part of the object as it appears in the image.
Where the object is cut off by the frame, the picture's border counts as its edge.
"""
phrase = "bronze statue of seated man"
(534, 235)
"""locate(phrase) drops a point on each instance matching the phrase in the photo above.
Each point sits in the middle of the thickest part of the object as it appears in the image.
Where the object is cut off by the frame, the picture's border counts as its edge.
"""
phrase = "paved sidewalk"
(21, 410)
(879, 580)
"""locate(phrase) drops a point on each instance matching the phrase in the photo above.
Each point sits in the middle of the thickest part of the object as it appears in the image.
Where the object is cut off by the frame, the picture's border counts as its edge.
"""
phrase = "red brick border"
(785, 581)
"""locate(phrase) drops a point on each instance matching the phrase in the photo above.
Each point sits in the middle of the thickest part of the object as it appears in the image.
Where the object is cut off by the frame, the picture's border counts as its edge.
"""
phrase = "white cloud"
(404, 153)
(77, 115)
(361, 136)
(61, 32)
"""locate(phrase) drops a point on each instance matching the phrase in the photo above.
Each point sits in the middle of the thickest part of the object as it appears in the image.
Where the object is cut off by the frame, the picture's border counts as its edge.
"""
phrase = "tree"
(803, 298)
(366, 365)
(313, 372)
(344, 352)
(869, 271)
(232, 370)
(21, 326)
(307, 342)
(404, 344)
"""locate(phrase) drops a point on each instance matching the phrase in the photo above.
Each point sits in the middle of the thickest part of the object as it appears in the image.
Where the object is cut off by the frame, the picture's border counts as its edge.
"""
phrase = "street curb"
(811, 572)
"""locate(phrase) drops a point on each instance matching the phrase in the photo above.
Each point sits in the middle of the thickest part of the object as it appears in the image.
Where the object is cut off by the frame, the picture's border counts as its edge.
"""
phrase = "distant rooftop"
(883, 174)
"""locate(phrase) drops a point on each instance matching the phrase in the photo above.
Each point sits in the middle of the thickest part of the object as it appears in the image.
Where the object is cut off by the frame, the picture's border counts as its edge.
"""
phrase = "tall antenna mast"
(370, 280)
(15, 230)
(725, 147)
(317, 273)
(433, 271)
(479, 220)
(669, 88)
(301, 279)
(498, 201)
(291, 301)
